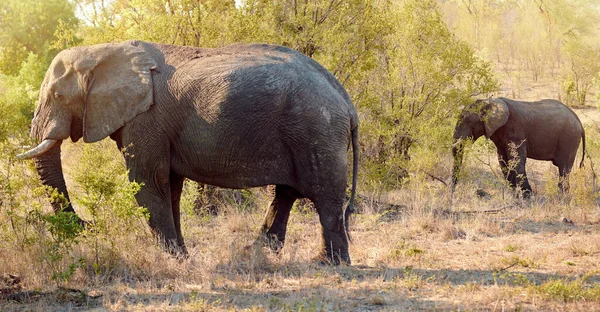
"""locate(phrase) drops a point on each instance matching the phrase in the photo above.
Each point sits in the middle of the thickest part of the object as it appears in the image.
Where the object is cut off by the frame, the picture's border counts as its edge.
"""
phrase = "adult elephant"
(542, 130)
(235, 117)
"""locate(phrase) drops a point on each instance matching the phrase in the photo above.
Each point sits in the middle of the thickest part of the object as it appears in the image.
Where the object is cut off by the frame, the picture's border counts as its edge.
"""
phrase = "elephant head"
(483, 117)
(87, 92)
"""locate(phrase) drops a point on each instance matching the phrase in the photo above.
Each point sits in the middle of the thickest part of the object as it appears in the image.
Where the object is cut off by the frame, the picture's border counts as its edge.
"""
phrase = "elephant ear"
(116, 81)
(496, 116)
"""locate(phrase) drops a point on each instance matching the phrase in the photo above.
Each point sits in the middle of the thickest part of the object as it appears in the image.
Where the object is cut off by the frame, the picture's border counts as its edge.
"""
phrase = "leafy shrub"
(104, 193)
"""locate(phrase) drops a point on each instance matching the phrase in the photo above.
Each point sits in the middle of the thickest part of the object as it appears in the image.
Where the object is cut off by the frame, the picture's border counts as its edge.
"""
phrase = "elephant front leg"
(176, 185)
(517, 174)
(275, 225)
(161, 221)
(156, 196)
(503, 160)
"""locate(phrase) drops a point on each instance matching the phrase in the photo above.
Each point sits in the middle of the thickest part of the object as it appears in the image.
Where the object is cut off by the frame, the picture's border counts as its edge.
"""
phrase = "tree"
(581, 70)
(28, 33)
(423, 75)
(532, 36)
(29, 27)
(183, 22)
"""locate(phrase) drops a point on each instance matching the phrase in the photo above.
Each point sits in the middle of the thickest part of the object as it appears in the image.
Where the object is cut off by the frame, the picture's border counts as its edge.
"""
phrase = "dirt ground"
(505, 261)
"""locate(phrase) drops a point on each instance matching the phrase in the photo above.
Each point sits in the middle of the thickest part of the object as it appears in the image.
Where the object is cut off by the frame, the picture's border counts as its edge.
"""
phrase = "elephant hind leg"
(563, 177)
(275, 225)
(329, 197)
(334, 238)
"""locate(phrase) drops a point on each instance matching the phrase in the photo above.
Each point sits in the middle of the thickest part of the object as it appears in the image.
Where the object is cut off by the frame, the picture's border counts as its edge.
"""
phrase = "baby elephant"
(542, 130)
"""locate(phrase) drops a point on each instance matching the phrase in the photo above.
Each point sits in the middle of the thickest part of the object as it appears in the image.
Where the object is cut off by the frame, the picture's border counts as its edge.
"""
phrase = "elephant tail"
(583, 152)
(350, 209)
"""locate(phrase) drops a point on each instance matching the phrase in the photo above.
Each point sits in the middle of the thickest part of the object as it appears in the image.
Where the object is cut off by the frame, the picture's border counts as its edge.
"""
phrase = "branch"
(434, 177)
(489, 211)
(326, 14)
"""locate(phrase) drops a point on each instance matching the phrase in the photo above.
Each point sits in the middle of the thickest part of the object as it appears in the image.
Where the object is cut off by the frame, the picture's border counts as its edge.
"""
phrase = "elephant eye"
(57, 95)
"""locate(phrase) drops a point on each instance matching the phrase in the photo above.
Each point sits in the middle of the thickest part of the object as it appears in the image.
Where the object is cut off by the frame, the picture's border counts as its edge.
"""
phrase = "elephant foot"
(271, 241)
(527, 194)
(563, 188)
(333, 259)
(179, 254)
(73, 220)
(178, 251)
(84, 224)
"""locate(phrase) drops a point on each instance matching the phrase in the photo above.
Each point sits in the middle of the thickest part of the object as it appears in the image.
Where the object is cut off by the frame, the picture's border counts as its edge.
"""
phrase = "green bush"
(105, 194)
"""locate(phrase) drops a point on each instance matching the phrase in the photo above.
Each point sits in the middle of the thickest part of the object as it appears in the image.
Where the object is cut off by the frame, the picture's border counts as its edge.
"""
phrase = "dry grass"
(425, 252)
(427, 257)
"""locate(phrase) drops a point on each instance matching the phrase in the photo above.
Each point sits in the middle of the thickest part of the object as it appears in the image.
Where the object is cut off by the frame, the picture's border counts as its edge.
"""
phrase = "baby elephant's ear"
(495, 117)
(117, 86)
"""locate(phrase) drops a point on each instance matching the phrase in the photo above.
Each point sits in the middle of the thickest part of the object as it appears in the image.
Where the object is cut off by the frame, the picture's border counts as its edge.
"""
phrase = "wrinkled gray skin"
(542, 130)
(235, 117)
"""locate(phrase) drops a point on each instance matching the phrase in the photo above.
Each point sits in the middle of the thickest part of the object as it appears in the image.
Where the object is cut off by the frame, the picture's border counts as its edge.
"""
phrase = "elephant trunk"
(49, 168)
(457, 155)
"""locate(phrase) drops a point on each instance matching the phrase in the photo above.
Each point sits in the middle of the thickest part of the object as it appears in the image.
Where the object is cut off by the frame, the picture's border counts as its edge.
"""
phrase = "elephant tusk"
(38, 150)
